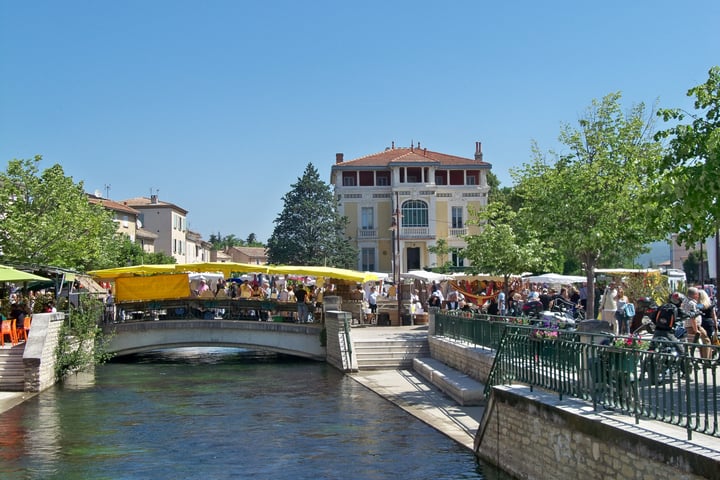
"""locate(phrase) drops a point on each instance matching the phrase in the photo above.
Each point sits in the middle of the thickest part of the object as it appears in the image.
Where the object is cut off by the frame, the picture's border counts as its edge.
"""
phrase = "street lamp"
(395, 228)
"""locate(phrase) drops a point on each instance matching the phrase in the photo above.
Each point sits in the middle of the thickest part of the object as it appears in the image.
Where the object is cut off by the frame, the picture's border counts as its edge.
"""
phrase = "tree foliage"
(690, 184)
(81, 342)
(501, 248)
(223, 243)
(132, 253)
(593, 202)
(309, 230)
(48, 220)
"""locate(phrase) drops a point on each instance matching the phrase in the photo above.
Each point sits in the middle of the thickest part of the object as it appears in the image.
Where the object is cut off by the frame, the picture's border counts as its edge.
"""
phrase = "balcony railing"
(367, 233)
(415, 232)
(458, 232)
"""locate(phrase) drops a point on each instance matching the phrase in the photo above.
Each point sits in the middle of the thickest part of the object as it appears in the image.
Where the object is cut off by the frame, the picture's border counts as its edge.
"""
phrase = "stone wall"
(39, 358)
(532, 435)
(338, 353)
(475, 362)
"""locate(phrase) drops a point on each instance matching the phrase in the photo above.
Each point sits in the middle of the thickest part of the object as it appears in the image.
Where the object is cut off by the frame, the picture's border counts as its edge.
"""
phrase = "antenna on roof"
(107, 190)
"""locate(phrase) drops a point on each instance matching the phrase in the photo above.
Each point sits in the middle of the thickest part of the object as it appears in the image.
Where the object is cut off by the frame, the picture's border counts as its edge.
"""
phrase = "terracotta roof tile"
(144, 202)
(409, 156)
(111, 205)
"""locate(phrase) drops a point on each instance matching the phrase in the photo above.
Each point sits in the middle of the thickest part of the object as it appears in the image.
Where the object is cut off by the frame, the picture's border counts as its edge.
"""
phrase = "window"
(348, 179)
(457, 217)
(457, 260)
(367, 259)
(367, 217)
(382, 179)
(471, 180)
(414, 214)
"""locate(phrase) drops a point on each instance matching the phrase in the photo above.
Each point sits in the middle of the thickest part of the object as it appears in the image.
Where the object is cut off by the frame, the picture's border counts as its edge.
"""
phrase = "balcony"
(457, 232)
(367, 234)
(414, 232)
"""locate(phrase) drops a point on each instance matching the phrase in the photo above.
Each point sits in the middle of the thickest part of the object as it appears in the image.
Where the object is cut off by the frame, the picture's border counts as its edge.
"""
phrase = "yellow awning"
(328, 272)
(226, 268)
(112, 273)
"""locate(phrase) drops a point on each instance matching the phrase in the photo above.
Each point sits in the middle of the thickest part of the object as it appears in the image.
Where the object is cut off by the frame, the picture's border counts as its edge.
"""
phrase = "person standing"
(609, 306)
(372, 303)
(300, 298)
(109, 307)
(620, 317)
(709, 318)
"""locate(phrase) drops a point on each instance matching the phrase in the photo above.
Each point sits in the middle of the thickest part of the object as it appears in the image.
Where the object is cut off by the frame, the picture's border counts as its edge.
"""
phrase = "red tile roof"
(144, 202)
(409, 156)
(111, 205)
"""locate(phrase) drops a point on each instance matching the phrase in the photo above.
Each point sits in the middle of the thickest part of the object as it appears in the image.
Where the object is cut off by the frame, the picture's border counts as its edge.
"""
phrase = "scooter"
(668, 361)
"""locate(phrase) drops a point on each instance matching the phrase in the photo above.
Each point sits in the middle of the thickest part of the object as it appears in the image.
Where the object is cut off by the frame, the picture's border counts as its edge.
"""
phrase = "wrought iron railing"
(680, 390)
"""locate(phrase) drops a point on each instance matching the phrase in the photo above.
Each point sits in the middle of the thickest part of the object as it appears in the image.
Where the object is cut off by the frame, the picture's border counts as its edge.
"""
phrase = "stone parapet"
(39, 358)
(534, 435)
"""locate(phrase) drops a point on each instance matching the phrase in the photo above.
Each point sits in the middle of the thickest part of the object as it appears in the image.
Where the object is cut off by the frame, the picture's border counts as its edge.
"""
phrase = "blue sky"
(218, 106)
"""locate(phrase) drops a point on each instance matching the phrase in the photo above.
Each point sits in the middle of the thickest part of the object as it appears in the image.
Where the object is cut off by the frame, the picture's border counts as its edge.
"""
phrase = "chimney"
(393, 144)
(478, 151)
(153, 199)
(338, 158)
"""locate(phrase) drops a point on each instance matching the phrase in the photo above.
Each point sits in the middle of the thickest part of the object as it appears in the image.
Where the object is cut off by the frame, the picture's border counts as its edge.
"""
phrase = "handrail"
(348, 343)
(678, 390)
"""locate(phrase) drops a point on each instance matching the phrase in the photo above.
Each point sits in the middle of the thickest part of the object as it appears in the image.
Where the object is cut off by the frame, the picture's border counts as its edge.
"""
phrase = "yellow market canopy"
(327, 272)
(226, 268)
(112, 273)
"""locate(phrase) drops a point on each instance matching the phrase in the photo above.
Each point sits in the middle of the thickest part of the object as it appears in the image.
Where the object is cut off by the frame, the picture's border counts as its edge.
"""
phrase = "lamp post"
(395, 228)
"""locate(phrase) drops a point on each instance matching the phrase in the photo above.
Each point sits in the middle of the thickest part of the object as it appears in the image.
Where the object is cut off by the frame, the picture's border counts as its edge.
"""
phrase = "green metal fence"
(679, 390)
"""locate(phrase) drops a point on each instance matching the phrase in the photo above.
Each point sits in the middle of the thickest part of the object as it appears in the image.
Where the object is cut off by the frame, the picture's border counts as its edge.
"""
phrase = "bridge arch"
(287, 338)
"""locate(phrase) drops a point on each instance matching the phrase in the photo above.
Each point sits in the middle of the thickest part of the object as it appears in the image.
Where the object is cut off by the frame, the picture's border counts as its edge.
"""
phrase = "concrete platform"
(462, 388)
(409, 391)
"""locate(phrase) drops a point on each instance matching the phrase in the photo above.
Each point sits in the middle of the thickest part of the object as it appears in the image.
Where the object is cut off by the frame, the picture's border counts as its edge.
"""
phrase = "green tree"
(309, 230)
(690, 184)
(593, 201)
(48, 220)
(501, 248)
(442, 250)
(131, 253)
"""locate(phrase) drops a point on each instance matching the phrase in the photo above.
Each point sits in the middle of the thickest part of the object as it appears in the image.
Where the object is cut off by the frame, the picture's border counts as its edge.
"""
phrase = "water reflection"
(221, 413)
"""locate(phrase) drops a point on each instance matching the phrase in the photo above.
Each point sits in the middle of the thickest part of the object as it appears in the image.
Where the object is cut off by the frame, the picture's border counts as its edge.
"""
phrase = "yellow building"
(430, 191)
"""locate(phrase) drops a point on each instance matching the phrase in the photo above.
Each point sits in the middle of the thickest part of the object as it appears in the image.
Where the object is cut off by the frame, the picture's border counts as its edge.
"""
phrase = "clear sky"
(219, 105)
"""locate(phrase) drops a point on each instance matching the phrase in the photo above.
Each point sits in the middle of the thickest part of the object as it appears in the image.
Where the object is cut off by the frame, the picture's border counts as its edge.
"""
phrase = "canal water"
(222, 414)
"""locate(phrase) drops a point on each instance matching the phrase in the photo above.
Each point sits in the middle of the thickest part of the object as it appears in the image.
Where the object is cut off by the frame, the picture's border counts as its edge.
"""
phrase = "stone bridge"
(301, 340)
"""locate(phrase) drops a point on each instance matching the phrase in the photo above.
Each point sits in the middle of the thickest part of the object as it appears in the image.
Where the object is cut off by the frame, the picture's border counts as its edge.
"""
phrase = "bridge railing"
(209, 308)
(679, 390)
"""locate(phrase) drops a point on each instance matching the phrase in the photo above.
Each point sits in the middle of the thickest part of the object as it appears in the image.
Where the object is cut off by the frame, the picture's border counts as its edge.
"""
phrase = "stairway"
(12, 371)
(389, 353)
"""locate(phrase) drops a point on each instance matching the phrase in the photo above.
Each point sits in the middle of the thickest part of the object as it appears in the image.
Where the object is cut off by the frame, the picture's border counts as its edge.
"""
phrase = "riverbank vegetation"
(82, 343)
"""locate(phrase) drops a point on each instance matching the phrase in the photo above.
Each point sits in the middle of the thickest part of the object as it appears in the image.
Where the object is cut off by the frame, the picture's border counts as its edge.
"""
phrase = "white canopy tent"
(555, 278)
(426, 276)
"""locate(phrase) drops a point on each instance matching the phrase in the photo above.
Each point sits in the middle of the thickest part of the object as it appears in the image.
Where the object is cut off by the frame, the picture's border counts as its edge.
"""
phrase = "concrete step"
(389, 354)
(12, 370)
(460, 387)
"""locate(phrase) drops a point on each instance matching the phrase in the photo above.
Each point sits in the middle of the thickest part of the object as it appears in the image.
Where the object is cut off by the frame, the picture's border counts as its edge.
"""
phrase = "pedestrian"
(300, 298)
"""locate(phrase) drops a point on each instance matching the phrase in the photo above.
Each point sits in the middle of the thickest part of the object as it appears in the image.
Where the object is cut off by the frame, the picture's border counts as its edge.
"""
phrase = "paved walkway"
(410, 392)
(10, 399)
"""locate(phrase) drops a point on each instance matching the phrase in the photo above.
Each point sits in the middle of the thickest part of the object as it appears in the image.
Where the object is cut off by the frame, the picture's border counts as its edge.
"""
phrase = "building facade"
(251, 255)
(167, 221)
(401, 201)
